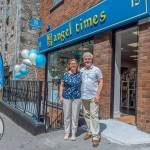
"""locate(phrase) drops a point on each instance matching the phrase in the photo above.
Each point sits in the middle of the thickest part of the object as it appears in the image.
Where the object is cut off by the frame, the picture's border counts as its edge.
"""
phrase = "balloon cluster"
(31, 58)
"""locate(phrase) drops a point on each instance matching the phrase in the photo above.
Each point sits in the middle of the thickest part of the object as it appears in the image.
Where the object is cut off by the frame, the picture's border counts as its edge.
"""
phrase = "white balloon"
(33, 62)
(32, 58)
(22, 66)
(27, 62)
(25, 53)
(17, 68)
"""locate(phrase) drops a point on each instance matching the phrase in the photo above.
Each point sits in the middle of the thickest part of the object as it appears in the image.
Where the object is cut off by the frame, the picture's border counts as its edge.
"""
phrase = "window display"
(59, 59)
(57, 62)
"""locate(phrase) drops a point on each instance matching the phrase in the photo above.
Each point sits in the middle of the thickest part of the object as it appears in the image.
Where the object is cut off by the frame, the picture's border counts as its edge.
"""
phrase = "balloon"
(40, 60)
(18, 75)
(33, 62)
(27, 62)
(25, 53)
(33, 51)
(24, 72)
(22, 66)
(32, 58)
(17, 68)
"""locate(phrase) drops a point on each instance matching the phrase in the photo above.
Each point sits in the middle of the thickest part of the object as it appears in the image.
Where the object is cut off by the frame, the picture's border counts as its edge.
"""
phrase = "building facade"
(121, 49)
(15, 31)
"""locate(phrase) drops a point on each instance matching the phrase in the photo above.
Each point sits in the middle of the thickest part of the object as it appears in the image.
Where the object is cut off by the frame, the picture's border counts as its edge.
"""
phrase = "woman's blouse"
(72, 85)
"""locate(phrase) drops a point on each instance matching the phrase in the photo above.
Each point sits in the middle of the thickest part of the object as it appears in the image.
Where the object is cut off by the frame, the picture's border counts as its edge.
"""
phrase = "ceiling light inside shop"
(80, 48)
(135, 59)
(135, 50)
(133, 44)
(134, 56)
(135, 32)
(85, 48)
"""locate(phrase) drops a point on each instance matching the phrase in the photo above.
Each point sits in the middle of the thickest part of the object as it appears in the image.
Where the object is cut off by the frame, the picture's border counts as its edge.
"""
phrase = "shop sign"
(35, 23)
(106, 15)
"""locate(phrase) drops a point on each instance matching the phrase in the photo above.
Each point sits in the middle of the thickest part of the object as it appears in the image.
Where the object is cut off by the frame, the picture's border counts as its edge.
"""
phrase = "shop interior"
(128, 44)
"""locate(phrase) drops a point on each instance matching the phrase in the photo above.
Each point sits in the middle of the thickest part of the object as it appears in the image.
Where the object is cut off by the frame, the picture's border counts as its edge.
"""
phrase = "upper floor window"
(57, 1)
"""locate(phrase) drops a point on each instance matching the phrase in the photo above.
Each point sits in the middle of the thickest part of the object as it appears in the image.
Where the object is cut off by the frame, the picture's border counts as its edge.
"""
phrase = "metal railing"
(38, 99)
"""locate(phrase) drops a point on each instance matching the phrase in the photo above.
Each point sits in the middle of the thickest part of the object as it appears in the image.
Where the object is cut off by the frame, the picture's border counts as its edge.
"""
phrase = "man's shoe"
(87, 136)
(95, 143)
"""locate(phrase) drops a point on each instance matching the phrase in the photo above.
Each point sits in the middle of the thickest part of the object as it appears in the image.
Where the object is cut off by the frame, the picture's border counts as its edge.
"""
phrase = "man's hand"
(96, 99)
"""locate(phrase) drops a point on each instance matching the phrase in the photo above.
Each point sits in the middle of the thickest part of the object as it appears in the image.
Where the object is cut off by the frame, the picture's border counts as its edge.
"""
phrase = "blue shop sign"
(1, 73)
(106, 15)
(35, 23)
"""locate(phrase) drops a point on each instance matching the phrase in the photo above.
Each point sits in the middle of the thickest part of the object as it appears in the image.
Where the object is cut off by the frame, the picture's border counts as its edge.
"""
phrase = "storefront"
(117, 33)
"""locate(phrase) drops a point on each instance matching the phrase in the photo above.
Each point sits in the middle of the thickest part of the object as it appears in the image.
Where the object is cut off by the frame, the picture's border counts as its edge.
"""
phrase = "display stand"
(128, 94)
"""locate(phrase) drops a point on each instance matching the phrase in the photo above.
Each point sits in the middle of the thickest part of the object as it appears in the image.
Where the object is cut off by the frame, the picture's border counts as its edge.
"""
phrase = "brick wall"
(143, 104)
(102, 59)
(67, 10)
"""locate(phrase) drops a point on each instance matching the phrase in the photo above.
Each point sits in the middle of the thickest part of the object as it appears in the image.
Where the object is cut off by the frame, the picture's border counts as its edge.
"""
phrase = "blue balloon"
(40, 60)
(33, 51)
(24, 71)
(18, 75)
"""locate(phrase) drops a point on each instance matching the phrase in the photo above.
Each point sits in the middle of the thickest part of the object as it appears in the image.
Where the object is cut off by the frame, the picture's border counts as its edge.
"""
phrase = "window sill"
(56, 6)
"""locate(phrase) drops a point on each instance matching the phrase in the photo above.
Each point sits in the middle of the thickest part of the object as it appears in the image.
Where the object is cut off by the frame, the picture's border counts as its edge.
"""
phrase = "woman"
(70, 97)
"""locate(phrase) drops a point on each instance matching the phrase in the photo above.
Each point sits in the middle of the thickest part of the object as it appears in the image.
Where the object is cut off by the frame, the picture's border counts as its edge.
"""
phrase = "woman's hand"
(61, 100)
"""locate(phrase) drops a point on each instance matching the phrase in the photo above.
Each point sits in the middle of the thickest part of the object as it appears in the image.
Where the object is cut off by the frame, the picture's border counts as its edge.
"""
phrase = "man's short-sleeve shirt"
(90, 79)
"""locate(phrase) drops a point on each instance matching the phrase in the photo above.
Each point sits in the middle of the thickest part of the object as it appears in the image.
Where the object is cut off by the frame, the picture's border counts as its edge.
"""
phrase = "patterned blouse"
(72, 85)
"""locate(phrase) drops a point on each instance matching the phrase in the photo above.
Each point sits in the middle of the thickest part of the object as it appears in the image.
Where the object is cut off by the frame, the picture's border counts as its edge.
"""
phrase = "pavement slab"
(123, 133)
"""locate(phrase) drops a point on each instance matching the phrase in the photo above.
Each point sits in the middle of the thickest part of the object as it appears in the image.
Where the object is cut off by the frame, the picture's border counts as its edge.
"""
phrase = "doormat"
(127, 119)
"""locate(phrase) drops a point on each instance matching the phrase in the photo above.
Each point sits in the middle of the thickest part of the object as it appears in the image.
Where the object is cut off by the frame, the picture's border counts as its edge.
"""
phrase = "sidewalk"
(123, 133)
(16, 138)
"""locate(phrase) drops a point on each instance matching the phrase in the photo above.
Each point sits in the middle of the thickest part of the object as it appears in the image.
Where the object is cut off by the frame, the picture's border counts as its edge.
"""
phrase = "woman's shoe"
(66, 137)
(73, 138)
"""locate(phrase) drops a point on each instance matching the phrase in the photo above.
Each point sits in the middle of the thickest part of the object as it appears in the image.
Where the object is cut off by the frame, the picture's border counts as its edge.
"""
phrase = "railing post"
(39, 99)
(9, 91)
(26, 96)
(16, 94)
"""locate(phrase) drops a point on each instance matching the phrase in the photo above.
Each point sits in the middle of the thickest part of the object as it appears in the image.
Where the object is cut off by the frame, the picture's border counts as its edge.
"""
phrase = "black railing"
(37, 99)
(52, 108)
(24, 95)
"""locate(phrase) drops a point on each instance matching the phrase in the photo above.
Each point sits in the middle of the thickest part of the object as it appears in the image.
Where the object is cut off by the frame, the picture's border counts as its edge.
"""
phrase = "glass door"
(125, 82)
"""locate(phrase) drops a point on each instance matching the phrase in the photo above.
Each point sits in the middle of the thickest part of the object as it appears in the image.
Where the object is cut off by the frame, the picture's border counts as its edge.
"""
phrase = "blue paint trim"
(1, 72)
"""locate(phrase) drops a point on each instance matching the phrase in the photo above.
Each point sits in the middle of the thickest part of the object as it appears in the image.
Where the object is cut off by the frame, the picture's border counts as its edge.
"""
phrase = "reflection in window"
(57, 1)
(58, 60)
(57, 63)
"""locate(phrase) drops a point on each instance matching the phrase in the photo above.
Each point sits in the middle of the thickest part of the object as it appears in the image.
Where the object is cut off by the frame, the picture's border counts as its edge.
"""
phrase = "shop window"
(56, 3)
(58, 61)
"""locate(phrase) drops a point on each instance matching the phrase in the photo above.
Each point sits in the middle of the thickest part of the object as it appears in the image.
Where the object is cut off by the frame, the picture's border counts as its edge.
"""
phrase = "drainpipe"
(16, 43)
(3, 27)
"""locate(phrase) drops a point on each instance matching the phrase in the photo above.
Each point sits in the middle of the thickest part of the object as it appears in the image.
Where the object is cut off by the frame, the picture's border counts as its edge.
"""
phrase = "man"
(92, 82)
